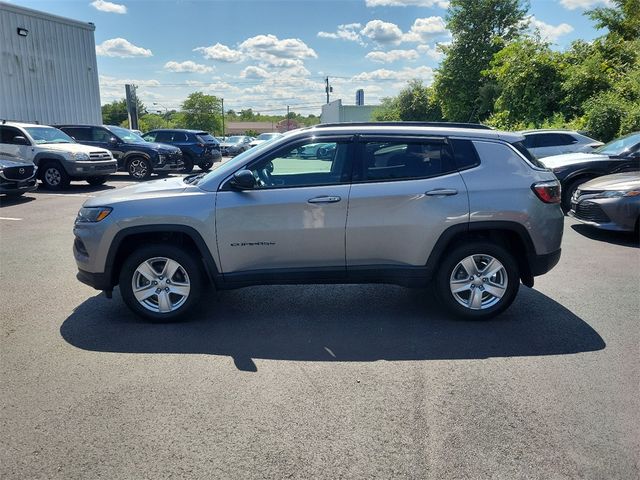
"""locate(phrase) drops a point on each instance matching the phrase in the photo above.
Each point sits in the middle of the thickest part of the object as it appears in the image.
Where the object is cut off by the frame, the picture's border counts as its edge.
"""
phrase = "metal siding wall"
(50, 76)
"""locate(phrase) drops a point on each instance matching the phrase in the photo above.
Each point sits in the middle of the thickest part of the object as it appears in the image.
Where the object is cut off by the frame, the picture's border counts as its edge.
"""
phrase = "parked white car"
(544, 143)
(264, 137)
(59, 157)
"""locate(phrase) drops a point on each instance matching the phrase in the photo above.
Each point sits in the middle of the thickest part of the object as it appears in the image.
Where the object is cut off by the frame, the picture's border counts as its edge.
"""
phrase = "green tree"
(115, 113)
(415, 102)
(622, 18)
(480, 28)
(202, 112)
(529, 78)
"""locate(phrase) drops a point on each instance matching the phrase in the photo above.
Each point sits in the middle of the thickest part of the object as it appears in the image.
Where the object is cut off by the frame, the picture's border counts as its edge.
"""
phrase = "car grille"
(591, 212)
(99, 156)
(18, 173)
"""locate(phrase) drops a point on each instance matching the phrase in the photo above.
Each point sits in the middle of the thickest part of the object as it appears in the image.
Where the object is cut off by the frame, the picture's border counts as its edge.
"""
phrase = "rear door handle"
(324, 199)
(441, 191)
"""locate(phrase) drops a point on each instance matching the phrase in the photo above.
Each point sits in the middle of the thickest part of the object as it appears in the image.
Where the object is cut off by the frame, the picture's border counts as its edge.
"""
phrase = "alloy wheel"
(478, 282)
(161, 285)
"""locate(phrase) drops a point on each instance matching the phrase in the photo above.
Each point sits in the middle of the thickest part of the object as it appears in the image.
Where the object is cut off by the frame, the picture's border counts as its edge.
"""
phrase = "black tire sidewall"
(149, 169)
(96, 181)
(188, 164)
(462, 251)
(205, 165)
(170, 251)
(64, 178)
(567, 192)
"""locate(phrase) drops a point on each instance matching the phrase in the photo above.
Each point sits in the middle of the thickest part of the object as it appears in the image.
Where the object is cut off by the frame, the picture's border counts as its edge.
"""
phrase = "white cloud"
(272, 51)
(382, 32)
(583, 4)
(420, 73)
(430, 51)
(548, 32)
(349, 31)
(187, 67)
(408, 3)
(119, 47)
(109, 7)
(221, 53)
(392, 55)
(254, 72)
(424, 29)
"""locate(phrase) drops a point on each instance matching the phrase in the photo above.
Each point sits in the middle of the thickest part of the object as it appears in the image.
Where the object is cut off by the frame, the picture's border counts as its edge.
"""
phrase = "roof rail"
(476, 126)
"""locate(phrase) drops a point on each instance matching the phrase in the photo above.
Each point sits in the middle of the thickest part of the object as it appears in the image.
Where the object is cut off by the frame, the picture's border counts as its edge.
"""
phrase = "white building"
(48, 68)
(335, 112)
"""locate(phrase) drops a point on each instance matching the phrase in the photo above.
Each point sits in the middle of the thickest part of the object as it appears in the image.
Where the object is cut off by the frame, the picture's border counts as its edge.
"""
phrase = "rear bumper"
(541, 264)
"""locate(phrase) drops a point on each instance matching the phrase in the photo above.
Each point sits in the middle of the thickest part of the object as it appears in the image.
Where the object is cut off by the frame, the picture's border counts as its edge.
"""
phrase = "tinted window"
(400, 160)
(565, 139)
(527, 154)
(179, 137)
(164, 137)
(8, 133)
(553, 139)
(464, 154)
(530, 141)
(150, 137)
(305, 164)
(204, 137)
(81, 134)
(101, 135)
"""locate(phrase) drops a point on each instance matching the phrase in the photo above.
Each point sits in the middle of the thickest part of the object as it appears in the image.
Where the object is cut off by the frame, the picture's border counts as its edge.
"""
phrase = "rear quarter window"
(464, 154)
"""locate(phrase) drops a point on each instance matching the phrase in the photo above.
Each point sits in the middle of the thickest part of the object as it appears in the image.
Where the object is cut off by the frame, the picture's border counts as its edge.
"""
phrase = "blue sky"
(266, 55)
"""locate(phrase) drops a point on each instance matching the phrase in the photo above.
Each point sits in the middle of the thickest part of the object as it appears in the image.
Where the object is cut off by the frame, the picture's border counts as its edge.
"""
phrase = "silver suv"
(467, 212)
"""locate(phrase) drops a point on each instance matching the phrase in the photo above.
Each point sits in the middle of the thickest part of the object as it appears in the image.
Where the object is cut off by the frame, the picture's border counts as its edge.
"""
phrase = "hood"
(617, 182)
(164, 187)
(16, 162)
(70, 147)
(161, 147)
(566, 159)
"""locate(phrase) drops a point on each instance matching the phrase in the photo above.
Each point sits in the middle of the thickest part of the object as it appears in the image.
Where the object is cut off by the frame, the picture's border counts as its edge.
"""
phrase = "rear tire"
(206, 165)
(171, 268)
(97, 181)
(188, 164)
(568, 191)
(54, 177)
(139, 168)
(477, 280)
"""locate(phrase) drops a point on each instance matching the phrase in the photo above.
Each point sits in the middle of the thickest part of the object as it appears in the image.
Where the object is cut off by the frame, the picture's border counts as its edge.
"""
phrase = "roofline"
(45, 16)
(475, 126)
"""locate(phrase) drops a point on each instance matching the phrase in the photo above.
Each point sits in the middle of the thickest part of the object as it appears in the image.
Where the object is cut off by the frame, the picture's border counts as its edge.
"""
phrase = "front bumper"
(169, 163)
(9, 187)
(618, 213)
(92, 169)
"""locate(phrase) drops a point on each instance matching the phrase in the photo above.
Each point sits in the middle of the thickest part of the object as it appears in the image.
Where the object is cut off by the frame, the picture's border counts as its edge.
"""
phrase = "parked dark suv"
(198, 147)
(135, 156)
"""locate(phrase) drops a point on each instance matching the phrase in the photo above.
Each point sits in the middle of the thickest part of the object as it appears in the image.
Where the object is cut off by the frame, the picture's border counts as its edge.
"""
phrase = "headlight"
(618, 193)
(79, 156)
(93, 214)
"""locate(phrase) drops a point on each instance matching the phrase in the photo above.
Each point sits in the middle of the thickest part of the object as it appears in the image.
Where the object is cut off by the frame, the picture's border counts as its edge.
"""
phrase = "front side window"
(127, 136)
(101, 135)
(7, 135)
(406, 160)
(305, 164)
(150, 137)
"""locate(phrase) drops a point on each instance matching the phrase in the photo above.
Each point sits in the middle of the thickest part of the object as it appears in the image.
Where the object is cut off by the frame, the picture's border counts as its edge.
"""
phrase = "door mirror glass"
(113, 141)
(243, 180)
(20, 140)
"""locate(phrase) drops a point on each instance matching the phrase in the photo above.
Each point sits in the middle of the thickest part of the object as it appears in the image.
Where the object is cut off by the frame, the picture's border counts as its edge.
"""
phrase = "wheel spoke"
(145, 292)
(492, 268)
(458, 286)
(494, 289)
(475, 299)
(147, 271)
(164, 302)
(170, 268)
(469, 266)
(180, 289)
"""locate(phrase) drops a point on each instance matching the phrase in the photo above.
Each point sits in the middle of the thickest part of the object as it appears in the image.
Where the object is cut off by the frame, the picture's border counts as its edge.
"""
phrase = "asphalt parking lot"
(315, 381)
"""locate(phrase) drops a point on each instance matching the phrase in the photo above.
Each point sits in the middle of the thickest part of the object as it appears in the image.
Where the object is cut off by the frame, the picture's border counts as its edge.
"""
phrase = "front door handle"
(324, 199)
(441, 191)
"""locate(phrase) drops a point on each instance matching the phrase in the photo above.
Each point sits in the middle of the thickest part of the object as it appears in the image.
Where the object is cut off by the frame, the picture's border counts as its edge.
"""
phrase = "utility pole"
(222, 116)
(327, 88)
(288, 122)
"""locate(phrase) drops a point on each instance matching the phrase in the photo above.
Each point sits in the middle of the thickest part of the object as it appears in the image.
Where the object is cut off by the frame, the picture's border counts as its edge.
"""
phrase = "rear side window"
(464, 154)
(530, 141)
(204, 137)
(406, 160)
(179, 137)
(554, 139)
(80, 134)
(164, 137)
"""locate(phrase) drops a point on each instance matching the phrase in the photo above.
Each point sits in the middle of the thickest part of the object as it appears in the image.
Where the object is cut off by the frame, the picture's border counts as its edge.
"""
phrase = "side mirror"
(243, 180)
(113, 141)
(20, 140)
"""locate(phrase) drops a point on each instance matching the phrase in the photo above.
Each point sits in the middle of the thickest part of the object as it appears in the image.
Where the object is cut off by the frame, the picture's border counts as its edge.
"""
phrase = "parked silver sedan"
(611, 202)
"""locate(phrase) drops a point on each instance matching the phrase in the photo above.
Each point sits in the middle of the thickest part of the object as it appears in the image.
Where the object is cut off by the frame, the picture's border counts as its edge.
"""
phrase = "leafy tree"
(480, 28)
(247, 115)
(621, 19)
(202, 112)
(529, 78)
(415, 102)
(115, 113)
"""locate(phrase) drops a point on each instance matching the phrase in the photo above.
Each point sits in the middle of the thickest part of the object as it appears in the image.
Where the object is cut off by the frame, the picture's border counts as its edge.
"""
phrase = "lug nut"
(158, 290)
(484, 279)
(166, 289)
(154, 283)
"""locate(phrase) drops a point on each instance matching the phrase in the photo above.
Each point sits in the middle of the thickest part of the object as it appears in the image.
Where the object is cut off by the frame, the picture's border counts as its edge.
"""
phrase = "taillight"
(548, 192)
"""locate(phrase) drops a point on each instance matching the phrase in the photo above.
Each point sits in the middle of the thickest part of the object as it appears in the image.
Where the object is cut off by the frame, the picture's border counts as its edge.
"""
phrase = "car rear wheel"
(188, 164)
(478, 280)
(160, 282)
(54, 177)
(139, 168)
(206, 165)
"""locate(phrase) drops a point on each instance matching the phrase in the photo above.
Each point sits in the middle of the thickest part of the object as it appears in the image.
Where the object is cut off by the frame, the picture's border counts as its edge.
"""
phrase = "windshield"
(43, 135)
(127, 136)
(234, 139)
(267, 136)
(620, 145)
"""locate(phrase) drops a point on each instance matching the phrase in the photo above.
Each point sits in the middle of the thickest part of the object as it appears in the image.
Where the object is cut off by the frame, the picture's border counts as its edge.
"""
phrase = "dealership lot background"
(314, 382)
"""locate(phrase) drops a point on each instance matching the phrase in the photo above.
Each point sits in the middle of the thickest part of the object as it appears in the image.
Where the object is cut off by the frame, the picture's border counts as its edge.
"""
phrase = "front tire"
(477, 280)
(205, 165)
(188, 164)
(160, 283)
(54, 177)
(139, 168)
(97, 181)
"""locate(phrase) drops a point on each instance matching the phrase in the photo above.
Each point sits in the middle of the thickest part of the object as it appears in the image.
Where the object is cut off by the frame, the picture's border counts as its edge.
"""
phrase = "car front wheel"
(160, 282)
(139, 168)
(54, 177)
(478, 280)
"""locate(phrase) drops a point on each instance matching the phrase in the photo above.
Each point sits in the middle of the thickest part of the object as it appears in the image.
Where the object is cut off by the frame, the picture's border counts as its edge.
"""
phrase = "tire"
(139, 168)
(188, 164)
(54, 177)
(451, 274)
(11, 196)
(97, 181)
(153, 259)
(205, 165)
(568, 190)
